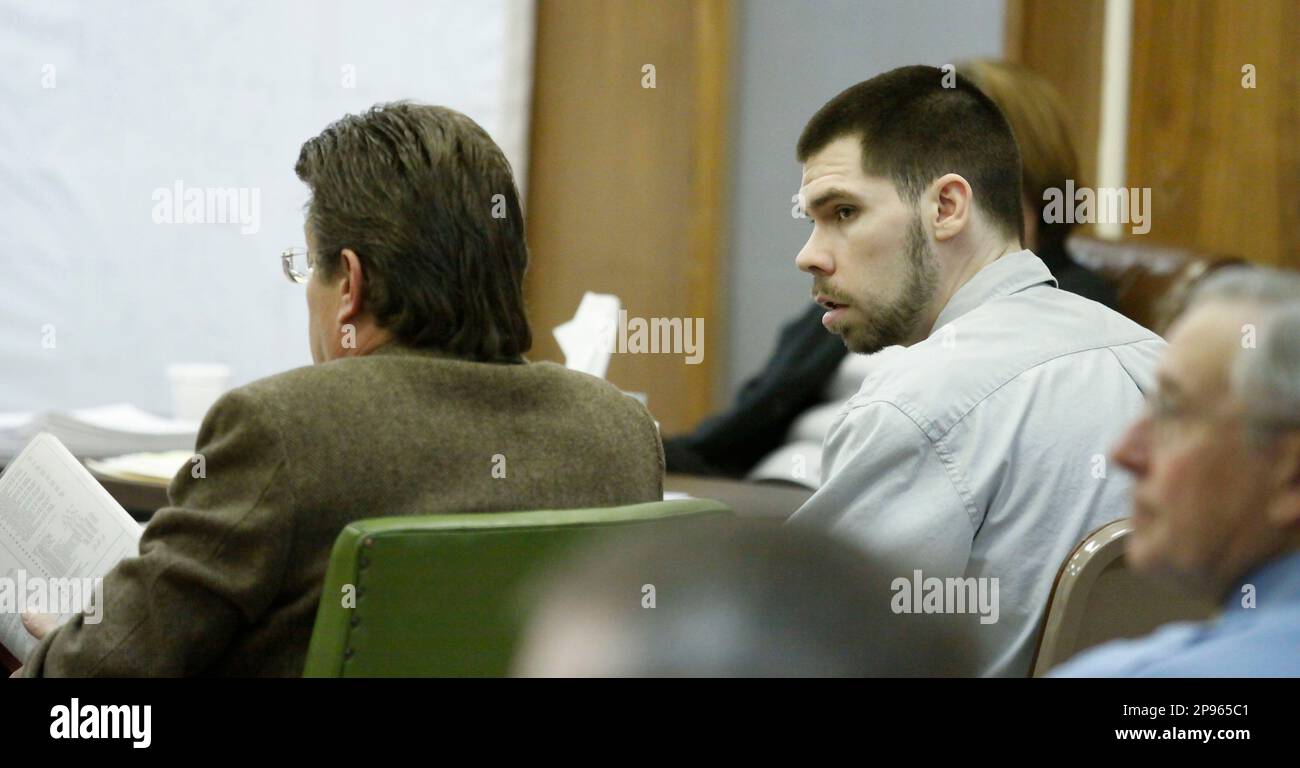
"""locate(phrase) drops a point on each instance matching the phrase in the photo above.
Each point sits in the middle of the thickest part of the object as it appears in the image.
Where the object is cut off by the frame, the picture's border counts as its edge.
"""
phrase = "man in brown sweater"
(420, 403)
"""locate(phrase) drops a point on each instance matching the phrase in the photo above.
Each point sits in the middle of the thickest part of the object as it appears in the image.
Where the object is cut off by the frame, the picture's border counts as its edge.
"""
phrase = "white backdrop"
(104, 103)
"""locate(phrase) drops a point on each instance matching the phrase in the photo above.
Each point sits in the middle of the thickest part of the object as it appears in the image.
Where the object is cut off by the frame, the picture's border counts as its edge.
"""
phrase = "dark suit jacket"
(794, 380)
(229, 575)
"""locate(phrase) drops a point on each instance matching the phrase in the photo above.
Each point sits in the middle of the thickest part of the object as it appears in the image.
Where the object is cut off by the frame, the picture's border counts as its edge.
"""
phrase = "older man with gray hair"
(1216, 500)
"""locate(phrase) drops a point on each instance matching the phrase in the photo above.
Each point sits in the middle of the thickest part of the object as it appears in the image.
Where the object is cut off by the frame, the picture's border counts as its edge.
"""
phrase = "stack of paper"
(108, 430)
(587, 340)
(147, 468)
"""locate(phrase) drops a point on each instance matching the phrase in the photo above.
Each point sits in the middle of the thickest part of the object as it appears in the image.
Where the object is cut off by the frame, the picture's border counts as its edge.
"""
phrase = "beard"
(888, 324)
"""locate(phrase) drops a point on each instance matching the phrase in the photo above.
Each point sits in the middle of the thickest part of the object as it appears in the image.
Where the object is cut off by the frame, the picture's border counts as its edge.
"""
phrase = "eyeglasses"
(298, 264)
(1169, 416)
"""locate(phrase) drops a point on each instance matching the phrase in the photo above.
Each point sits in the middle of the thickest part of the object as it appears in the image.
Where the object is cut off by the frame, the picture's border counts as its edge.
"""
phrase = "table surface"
(771, 501)
(762, 500)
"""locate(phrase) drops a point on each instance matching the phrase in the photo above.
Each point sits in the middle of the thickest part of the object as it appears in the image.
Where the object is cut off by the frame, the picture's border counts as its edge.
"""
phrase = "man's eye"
(843, 213)
(1163, 407)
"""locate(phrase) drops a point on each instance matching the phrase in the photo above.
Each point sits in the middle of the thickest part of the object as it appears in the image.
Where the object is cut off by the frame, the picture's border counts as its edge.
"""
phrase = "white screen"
(105, 103)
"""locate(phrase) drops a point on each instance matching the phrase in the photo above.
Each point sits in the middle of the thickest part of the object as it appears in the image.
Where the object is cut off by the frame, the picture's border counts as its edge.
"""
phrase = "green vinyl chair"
(438, 595)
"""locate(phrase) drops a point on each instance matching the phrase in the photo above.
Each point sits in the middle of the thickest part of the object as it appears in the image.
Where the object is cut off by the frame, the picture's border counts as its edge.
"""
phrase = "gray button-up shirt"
(982, 451)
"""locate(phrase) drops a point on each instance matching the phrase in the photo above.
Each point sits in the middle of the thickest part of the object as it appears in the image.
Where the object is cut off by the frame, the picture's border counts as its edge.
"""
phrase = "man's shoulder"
(962, 362)
(1197, 649)
(368, 369)
(1032, 326)
(358, 384)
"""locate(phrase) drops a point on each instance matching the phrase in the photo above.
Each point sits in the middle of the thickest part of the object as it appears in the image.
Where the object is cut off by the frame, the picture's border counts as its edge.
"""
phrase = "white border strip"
(517, 90)
(1112, 138)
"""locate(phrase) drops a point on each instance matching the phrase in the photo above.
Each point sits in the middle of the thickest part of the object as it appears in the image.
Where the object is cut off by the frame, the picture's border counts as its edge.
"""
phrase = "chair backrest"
(1152, 282)
(438, 595)
(1097, 598)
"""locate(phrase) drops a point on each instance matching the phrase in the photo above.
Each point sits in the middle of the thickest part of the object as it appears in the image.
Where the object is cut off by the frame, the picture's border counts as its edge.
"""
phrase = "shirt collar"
(1274, 582)
(1010, 274)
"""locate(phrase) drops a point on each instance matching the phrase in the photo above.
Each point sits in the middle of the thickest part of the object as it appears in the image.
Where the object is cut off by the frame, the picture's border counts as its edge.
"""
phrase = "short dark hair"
(428, 202)
(913, 130)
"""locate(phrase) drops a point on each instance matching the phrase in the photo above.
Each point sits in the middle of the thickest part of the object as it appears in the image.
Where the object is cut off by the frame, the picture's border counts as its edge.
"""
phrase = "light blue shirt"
(982, 451)
(1259, 639)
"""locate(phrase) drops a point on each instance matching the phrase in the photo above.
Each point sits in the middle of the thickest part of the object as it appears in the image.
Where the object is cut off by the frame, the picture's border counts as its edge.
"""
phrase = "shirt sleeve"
(889, 489)
(209, 564)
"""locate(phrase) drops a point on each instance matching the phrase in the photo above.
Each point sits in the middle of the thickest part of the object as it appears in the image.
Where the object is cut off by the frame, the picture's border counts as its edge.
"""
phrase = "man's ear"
(1284, 509)
(952, 206)
(351, 304)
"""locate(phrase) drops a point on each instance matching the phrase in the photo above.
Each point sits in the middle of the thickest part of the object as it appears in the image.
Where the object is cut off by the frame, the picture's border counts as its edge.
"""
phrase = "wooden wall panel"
(1221, 159)
(626, 183)
(1062, 41)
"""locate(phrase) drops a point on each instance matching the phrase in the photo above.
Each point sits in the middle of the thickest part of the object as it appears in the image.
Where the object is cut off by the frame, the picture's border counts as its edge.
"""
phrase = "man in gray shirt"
(975, 451)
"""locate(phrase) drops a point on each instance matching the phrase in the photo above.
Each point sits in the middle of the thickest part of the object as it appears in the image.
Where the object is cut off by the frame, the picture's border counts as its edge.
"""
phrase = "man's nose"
(1133, 449)
(814, 259)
